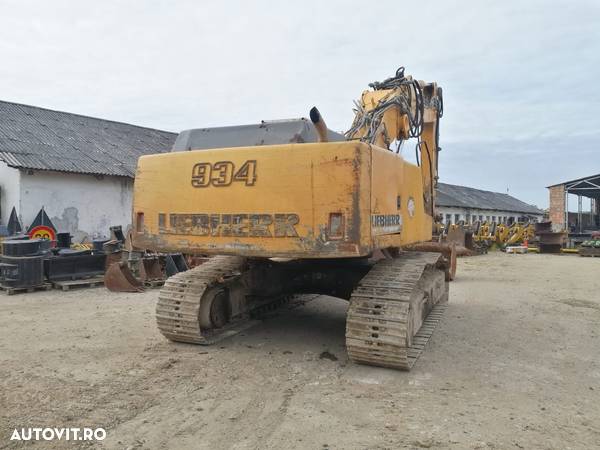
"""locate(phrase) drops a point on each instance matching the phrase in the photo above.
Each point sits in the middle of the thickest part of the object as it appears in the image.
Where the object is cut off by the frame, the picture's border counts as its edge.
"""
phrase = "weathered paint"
(9, 191)
(83, 205)
(287, 208)
(395, 125)
(299, 187)
(395, 185)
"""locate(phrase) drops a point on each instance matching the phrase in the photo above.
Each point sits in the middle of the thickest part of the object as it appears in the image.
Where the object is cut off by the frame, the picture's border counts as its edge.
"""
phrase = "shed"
(585, 187)
(457, 203)
(79, 168)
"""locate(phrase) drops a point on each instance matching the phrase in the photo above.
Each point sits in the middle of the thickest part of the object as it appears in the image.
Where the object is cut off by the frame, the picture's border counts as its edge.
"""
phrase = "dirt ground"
(513, 364)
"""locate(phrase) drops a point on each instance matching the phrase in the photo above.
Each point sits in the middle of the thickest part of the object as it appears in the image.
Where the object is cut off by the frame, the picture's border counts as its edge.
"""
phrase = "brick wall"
(557, 206)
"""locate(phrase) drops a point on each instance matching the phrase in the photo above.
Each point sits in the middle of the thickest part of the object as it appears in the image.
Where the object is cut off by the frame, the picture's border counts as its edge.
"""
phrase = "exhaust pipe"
(319, 123)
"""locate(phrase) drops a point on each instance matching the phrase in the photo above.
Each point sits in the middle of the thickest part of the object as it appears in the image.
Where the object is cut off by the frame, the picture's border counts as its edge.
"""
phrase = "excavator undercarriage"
(390, 300)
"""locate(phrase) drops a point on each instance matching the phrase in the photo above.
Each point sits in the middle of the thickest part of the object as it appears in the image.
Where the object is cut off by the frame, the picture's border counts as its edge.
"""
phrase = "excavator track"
(178, 307)
(178, 311)
(395, 297)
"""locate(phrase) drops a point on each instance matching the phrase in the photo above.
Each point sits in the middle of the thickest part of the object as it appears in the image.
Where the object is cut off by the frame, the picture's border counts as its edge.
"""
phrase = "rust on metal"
(118, 278)
(449, 250)
(150, 269)
(232, 225)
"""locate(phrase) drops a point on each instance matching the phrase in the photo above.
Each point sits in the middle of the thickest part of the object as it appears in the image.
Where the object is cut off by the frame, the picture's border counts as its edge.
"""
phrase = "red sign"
(42, 232)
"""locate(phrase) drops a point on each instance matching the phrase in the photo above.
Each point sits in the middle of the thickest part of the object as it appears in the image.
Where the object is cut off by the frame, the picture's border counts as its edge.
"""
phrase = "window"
(448, 218)
(487, 218)
(481, 218)
(493, 218)
(456, 218)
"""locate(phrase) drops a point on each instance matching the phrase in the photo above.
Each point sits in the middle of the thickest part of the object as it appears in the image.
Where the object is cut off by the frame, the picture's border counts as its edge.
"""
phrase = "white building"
(460, 203)
(79, 169)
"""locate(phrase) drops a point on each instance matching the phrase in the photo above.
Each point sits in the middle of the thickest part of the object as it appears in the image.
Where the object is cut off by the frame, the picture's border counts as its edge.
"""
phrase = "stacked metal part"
(549, 241)
(71, 264)
(22, 263)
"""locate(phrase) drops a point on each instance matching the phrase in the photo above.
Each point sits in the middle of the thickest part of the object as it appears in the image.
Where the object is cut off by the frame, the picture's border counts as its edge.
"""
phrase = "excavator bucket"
(150, 269)
(450, 251)
(118, 278)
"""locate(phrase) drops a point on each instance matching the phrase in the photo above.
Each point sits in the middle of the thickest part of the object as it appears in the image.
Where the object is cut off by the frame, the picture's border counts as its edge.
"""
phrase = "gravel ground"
(513, 364)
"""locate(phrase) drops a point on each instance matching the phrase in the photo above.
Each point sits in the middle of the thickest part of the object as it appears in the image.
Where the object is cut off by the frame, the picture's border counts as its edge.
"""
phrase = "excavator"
(290, 206)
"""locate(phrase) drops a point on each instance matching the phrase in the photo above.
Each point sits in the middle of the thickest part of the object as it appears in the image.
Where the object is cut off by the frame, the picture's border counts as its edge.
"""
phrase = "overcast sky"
(520, 78)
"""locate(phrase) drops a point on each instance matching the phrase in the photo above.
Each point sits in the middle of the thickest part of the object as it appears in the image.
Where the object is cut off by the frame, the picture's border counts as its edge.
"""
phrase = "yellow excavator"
(292, 207)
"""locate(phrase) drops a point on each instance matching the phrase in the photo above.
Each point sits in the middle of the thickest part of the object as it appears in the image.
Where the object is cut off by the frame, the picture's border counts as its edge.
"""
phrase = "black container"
(22, 271)
(75, 266)
(63, 240)
(29, 247)
(99, 245)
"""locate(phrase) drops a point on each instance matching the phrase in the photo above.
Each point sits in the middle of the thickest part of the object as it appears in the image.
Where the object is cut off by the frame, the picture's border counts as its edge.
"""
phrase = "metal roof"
(586, 186)
(44, 139)
(575, 180)
(466, 197)
(264, 133)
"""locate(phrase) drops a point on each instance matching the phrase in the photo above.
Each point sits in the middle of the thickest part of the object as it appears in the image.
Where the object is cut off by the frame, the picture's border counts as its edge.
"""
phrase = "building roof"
(44, 139)
(466, 197)
(586, 186)
(575, 180)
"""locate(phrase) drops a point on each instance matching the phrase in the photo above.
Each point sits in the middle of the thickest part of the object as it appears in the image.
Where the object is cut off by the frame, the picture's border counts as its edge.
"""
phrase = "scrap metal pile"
(130, 270)
(549, 241)
(591, 247)
(29, 264)
(478, 237)
(42, 258)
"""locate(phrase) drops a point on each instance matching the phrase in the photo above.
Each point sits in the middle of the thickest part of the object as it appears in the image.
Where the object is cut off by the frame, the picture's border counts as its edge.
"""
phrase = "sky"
(521, 101)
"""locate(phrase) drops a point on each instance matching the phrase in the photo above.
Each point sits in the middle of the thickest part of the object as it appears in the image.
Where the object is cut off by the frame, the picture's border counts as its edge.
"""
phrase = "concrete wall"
(79, 204)
(471, 215)
(557, 206)
(9, 191)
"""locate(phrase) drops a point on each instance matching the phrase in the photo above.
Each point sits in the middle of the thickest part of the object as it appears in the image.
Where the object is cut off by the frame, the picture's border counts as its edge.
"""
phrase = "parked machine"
(291, 207)
(501, 235)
